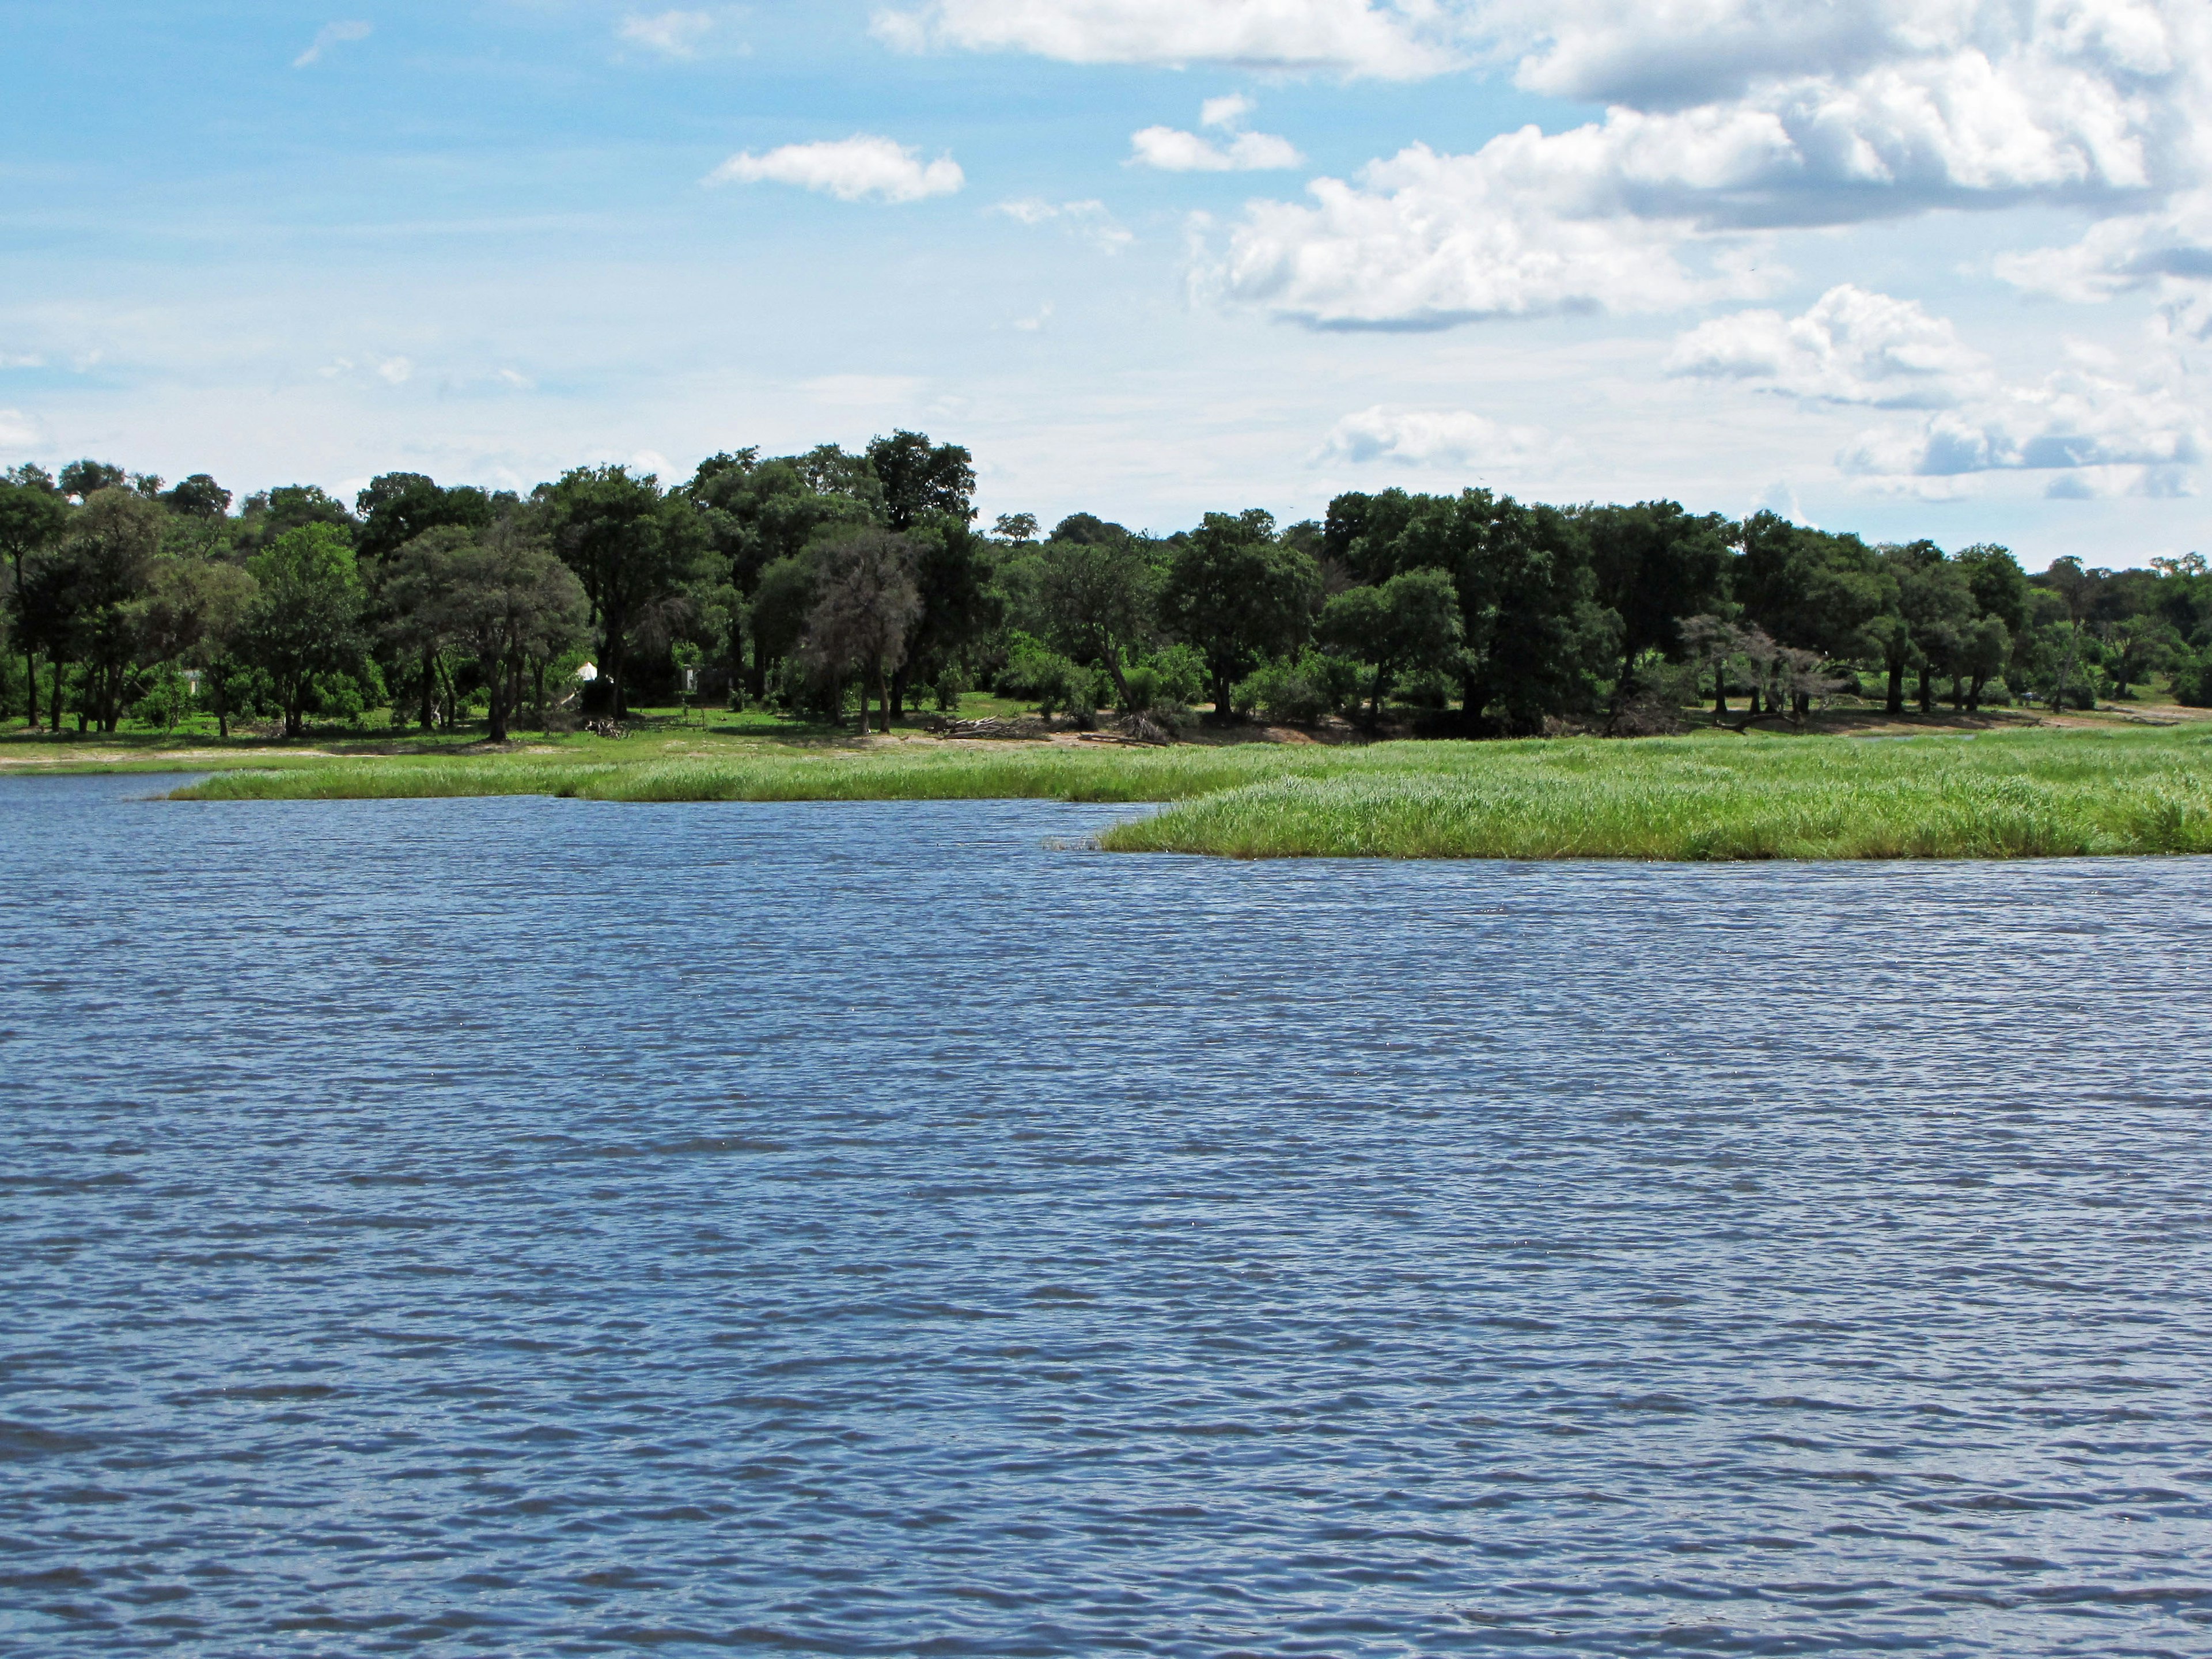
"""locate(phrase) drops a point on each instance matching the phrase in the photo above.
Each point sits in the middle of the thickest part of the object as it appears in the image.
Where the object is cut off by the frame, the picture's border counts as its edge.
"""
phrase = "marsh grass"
(2022, 794)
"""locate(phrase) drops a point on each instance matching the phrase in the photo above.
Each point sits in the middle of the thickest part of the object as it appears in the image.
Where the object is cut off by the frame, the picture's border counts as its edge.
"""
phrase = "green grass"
(2015, 795)
(2004, 794)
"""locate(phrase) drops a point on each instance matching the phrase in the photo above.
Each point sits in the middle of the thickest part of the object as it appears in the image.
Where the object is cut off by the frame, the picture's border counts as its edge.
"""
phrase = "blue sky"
(1942, 268)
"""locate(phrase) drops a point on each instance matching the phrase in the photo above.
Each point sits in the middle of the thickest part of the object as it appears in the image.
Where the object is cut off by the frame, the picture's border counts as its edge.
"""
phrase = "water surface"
(548, 1227)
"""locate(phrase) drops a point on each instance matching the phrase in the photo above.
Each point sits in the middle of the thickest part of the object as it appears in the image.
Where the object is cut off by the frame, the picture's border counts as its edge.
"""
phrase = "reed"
(2014, 794)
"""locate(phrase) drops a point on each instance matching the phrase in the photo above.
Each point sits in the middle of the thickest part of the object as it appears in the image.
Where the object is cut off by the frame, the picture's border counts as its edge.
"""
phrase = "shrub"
(1290, 691)
(948, 686)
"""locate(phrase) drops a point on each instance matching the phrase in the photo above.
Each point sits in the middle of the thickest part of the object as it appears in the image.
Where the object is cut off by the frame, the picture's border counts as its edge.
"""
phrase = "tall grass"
(2020, 794)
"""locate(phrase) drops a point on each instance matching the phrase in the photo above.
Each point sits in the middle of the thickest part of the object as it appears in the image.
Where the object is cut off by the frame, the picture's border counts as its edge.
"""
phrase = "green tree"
(33, 517)
(195, 617)
(960, 606)
(1239, 596)
(1652, 565)
(198, 497)
(82, 480)
(304, 619)
(1097, 601)
(110, 551)
(866, 606)
(635, 550)
(920, 479)
(1410, 624)
(501, 597)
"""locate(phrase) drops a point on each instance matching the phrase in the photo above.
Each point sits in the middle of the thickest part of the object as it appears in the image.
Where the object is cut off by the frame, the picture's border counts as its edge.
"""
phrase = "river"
(548, 1227)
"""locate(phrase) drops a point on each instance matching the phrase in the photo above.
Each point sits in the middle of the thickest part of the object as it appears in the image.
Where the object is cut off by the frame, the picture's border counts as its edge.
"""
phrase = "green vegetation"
(2002, 794)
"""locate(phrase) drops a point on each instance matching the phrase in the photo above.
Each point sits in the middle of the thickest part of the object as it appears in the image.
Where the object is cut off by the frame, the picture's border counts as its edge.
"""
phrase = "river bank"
(2017, 792)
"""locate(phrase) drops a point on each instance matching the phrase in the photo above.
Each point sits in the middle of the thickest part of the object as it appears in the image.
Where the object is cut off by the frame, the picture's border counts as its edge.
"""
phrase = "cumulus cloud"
(1087, 219)
(860, 168)
(1425, 240)
(1175, 151)
(331, 35)
(1729, 117)
(1430, 437)
(2096, 433)
(1850, 346)
(1389, 39)
(670, 33)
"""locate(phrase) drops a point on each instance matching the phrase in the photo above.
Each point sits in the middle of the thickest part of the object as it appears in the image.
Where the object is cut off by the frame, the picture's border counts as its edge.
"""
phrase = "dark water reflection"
(538, 1227)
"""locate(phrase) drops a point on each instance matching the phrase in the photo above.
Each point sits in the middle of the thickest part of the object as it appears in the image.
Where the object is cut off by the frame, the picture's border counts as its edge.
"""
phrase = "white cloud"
(1421, 437)
(2119, 436)
(517, 379)
(331, 35)
(22, 359)
(859, 169)
(1425, 240)
(671, 33)
(1088, 219)
(1850, 346)
(1037, 320)
(1174, 151)
(18, 432)
(1730, 116)
(1225, 112)
(1394, 39)
(395, 371)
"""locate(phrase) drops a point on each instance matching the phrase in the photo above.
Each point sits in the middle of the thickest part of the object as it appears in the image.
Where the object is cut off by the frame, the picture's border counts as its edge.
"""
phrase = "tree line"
(814, 582)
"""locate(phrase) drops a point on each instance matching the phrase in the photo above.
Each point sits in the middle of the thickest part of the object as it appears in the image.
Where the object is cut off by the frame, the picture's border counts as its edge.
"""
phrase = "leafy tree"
(32, 520)
(1096, 600)
(960, 606)
(1240, 596)
(1410, 624)
(82, 480)
(920, 479)
(198, 497)
(1019, 528)
(1935, 598)
(110, 552)
(1981, 656)
(777, 618)
(2075, 591)
(503, 598)
(756, 512)
(1087, 527)
(865, 608)
(304, 619)
(634, 550)
(194, 615)
(1651, 565)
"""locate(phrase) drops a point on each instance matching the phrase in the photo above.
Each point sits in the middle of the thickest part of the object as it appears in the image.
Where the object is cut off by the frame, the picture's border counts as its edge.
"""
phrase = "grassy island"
(1999, 793)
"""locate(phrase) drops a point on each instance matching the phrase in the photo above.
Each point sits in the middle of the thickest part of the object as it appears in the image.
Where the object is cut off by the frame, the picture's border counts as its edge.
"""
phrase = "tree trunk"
(1720, 690)
(1927, 689)
(883, 696)
(31, 687)
(1896, 705)
(897, 703)
(54, 692)
(427, 707)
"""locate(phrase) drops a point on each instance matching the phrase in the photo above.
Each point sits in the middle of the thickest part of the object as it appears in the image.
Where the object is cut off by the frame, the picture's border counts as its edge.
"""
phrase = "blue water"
(543, 1227)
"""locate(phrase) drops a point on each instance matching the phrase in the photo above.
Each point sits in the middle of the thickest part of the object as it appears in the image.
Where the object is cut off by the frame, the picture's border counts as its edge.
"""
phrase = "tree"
(82, 480)
(1019, 528)
(198, 497)
(506, 600)
(305, 621)
(1651, 565)
(195, 613)
(1239, 596)
(865, 606)
(1936, 601)
(1410, 623)
(2076, 591)
(633, 548)
(110, 552)
(920, 478)
(1096, 600)
(32, 520)
(952, 573)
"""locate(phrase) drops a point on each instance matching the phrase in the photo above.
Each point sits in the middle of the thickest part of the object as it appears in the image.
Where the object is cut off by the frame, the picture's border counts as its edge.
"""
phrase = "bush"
(2191, 678)
(947, 687)
(1296, 693)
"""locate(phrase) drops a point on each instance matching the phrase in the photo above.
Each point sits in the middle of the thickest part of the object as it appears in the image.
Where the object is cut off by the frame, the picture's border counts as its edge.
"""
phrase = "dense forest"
(814, 583)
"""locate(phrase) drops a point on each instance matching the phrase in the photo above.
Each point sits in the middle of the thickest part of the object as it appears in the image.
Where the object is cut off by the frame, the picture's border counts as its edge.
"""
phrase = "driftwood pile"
(1126, 729)
(991, 729)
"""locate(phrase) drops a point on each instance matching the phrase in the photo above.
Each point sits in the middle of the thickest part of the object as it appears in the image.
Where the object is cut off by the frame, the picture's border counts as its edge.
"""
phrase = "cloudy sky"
(1913, 267)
